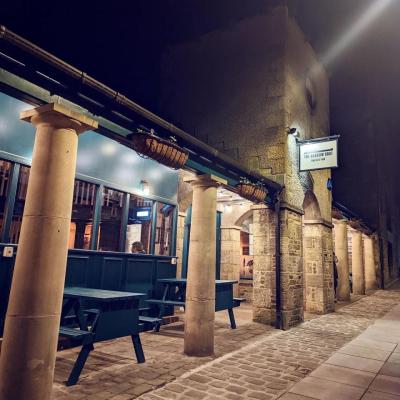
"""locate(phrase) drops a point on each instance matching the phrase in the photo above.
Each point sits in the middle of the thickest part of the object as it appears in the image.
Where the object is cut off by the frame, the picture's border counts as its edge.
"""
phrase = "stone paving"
(111, 371)
(252, 362)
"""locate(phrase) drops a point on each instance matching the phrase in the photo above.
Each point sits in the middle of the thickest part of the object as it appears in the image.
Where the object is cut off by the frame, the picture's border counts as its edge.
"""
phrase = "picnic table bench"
(115, 314)
(174, 294)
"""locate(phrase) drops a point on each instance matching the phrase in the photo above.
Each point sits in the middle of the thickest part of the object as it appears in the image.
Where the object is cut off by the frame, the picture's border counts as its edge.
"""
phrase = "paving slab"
(360, 363)
(373, 344)
(365, 352)
(348, 376)
(386, 384)
(373, 395)
(395, 357)
(390, 369)
(293, 396)
(323, 389)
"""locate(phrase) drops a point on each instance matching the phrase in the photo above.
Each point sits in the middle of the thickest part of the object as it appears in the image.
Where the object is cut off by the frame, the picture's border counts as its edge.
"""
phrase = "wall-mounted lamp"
(145, 187)
(293, 131)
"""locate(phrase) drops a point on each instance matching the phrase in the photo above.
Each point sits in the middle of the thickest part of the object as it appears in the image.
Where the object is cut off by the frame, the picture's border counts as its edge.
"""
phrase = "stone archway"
(317, 258)
(246, 257)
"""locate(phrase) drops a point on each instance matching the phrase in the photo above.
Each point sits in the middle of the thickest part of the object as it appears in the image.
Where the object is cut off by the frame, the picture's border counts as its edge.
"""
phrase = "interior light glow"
(145, 187)
(108, 149)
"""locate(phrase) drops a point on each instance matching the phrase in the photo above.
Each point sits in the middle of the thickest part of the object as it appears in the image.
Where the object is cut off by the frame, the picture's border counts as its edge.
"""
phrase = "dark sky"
(121, 42)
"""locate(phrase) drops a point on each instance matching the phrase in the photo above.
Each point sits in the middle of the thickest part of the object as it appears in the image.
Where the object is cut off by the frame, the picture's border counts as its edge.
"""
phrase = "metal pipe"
(278, 285)
(86, 80)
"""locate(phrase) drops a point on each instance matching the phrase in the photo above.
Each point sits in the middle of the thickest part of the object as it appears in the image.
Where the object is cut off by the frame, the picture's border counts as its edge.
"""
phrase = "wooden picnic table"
(174, 294)
(115, 314)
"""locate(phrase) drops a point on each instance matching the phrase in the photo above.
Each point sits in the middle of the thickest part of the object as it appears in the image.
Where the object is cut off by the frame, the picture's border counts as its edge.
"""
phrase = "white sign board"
(318, 155)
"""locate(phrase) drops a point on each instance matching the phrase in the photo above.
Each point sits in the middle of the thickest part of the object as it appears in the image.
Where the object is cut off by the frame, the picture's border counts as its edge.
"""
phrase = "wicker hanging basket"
(158, 149)
(249, 191)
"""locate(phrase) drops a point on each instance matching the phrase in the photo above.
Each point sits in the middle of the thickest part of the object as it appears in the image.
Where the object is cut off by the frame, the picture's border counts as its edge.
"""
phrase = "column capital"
(206, 180)
(261, 206)
(59, 116)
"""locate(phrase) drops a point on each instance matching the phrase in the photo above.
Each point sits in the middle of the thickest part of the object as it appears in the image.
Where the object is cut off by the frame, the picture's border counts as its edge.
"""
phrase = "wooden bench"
(150, 323)
(167, 302)
(87, 339)
(237, 301)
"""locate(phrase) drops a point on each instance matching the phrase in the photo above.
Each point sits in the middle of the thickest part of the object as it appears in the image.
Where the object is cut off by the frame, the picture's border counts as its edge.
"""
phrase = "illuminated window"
(111, 220)
(163, 238)
(19, 205)
(5, 171)
(139, 224)
(82, 215)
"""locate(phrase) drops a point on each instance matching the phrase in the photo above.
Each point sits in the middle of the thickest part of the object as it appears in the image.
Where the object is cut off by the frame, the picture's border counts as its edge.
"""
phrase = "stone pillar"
(292, 310)
(318, 268)
(369, 259)
(230, 255)
(200, 290)
(33, 317)
(343, 288)
(357, 263)
(264, 225)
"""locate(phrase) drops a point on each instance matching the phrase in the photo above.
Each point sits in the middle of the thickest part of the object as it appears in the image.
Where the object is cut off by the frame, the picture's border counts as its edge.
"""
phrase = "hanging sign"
(318, 154)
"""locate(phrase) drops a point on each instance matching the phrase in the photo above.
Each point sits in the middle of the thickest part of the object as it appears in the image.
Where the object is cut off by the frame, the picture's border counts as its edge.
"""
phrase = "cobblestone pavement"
(252, 362)
(268, 368)
(111, 371)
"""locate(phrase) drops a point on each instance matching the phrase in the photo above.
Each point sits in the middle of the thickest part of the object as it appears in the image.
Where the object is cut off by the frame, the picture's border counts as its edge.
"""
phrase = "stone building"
(240, 90)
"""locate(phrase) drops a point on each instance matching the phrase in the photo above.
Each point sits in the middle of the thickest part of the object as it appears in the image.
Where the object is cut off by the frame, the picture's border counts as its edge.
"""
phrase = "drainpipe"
(278, 286)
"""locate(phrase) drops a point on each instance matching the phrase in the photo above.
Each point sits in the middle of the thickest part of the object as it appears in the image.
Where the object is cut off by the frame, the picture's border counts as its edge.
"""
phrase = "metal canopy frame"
(118, 116)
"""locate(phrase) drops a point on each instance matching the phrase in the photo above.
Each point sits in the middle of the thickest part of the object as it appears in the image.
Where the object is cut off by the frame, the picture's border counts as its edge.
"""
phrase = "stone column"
(33, 316)
(369, 257)
(341, 251)
(200, 290)
(264, 225)
(357, 263)
(292, 310)
(230, 255)
(318, 269)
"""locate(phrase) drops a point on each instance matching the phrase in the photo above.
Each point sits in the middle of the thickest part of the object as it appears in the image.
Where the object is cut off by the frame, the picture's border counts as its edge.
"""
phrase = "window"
(139, 223)
(19, 205)
(5, 172)
(163, 238)
(82, 215)
(111, 220)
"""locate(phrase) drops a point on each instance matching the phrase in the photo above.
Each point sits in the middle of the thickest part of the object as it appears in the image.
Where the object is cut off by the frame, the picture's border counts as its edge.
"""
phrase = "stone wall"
(230, 254)
(246, 290)
(291, 268)
(318, 271)
(264, 288)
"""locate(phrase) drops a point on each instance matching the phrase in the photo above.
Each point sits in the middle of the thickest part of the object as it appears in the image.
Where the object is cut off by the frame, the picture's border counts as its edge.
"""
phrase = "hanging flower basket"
(252, 192)
(161, 150)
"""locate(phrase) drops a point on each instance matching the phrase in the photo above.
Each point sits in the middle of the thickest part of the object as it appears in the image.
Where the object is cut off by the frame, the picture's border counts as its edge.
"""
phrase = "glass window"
(110, 220)
(139, 225)
(163, 239)
(5, 171)
(82, 215)
(19, 204)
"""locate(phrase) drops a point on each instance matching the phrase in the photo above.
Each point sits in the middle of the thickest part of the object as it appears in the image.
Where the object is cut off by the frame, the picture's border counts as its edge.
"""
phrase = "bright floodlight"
(371, 13)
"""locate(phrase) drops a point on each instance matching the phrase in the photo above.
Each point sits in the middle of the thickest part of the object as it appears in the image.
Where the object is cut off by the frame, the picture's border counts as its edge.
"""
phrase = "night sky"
(121, 43)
